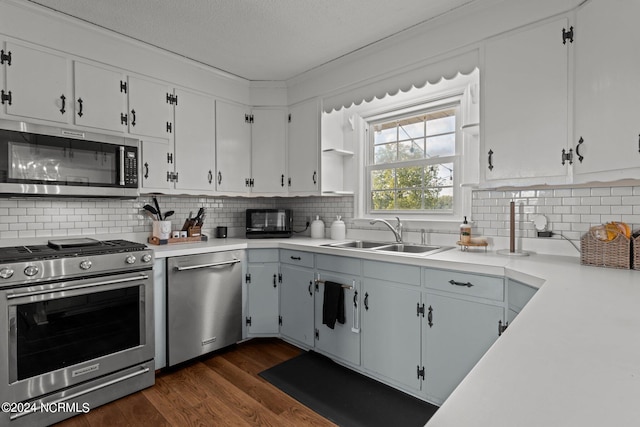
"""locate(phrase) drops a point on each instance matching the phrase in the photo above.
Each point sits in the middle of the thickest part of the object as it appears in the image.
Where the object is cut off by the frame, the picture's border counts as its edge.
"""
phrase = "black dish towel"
(333, 304)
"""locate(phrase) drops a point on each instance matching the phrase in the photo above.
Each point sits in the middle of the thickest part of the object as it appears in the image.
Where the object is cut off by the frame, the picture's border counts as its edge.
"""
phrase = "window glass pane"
(411, 130)
(443, 145)
(444, 174)
(383, 179)
(438, 198)
(381, 135)
(409, 199)
(443, 125)
(386, 153)
(382, 200)
(410, 150)
(410, 177)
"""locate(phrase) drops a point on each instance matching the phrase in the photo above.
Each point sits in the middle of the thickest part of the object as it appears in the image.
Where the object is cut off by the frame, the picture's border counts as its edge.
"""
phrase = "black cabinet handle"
(580, 157)
(133, 117)
(282, 180)
(210, 177)
(146, 170)
(295, 258)
(490, 159)
(366, 301)
(274, 280)
(355, 299)
(219, 177)
(315, 177)
(64, 103)
(81, 107)
(430, 316)
(310, 285)
(454, 283)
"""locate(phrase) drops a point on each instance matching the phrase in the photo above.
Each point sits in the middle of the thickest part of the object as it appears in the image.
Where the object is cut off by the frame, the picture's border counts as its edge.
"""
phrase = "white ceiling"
(257, 39)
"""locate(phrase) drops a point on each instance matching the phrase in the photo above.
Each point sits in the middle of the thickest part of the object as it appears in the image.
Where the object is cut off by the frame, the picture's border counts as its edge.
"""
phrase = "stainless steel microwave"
(37, 160)
(269, 223)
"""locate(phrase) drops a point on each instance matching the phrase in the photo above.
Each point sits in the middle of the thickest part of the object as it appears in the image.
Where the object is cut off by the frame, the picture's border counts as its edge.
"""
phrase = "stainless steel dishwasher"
(204, 303)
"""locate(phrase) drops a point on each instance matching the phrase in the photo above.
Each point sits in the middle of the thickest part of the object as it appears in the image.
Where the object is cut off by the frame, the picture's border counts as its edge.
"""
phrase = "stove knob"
(6, 273)
(31, 270)
(130, 259)
(86, 264)
(146, 258)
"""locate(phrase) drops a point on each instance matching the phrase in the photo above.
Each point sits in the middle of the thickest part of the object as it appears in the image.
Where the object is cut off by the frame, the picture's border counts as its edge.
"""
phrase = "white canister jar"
(317, 228)
(338, 229)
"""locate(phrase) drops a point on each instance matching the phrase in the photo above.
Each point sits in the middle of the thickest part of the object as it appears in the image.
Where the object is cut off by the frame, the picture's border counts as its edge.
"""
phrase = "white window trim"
(462, 199)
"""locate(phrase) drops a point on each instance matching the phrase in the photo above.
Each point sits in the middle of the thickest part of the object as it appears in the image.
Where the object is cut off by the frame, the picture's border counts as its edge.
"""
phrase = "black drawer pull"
(296, 258)
(454, 283)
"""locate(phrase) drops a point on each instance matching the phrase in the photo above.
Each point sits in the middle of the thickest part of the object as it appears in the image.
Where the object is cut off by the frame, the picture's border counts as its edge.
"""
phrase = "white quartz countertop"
(570, 358)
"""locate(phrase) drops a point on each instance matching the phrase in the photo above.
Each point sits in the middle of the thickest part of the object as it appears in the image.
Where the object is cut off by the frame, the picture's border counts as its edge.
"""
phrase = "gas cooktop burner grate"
(60, 249)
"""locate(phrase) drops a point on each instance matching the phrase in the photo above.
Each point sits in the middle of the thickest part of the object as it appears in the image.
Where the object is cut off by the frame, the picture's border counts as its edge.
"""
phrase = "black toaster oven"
(269, 223)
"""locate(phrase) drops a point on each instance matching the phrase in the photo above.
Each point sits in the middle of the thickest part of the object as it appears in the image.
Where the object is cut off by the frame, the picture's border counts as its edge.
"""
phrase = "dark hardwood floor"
(221, 390)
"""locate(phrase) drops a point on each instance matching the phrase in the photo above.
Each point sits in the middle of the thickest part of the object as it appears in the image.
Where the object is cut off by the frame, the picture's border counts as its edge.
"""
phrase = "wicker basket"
(614, 254)
(636, 253)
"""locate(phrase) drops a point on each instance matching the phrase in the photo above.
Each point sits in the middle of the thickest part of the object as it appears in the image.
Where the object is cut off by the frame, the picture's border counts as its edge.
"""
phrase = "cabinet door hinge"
(5, 57)
(247, 278)
(420, 372)
(172, 99)
(123, 86)
(172, 177)
(567, 156)
(124, 119)
(169, 127)
(502, 327)
(280, 278)
(170, 158)
(5, 97)
(420, 310)
(567, 35)
(317, 334)
(280, 320)
(248, 321)
(248, 118)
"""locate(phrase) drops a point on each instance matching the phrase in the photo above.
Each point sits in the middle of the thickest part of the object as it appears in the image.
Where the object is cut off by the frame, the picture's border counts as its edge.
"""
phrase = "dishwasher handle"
(213, 264)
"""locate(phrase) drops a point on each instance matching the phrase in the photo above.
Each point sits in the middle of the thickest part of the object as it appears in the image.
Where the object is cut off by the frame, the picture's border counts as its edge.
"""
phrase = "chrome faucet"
(397, 230)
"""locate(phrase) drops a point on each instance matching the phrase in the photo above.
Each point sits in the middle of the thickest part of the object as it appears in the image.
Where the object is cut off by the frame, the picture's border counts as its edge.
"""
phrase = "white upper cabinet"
(100, 97)
(303, 148)
(607, 90)
(150, 108)
(525, 105)
(268, 155)
(233, 147)
(37, 84)
(194, 142)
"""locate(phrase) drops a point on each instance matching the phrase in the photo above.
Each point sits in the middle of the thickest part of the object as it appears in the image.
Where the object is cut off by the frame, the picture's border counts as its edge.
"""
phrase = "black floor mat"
(345, 397)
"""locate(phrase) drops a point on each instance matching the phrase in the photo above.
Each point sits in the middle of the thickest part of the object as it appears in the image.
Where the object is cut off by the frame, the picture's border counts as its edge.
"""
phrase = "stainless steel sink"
(357, 244)
(407, 248)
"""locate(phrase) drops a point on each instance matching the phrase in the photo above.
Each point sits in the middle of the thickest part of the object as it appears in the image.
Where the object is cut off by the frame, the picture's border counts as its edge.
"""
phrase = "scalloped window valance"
(403, 81)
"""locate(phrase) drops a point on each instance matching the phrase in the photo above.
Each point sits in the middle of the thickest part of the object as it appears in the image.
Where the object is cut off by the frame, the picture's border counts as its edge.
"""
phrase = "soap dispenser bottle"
(465, 232)
(317, 228)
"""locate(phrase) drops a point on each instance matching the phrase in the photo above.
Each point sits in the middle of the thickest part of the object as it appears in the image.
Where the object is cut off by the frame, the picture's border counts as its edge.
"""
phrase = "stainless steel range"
(76, 317)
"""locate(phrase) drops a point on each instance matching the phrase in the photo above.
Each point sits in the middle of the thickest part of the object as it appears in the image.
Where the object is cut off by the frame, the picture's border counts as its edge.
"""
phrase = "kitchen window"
(413, 162)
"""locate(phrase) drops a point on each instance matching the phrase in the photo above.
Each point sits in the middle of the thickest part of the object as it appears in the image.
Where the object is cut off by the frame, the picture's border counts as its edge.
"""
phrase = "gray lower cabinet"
(160, 311)
(463, 316)
(456, 335)
(343, 341)
(262, 290)
(390, 323)
(296, 296)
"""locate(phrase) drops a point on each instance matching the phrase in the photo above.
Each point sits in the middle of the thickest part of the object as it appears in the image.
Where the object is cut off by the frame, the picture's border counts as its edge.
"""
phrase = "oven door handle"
(89, 390)
(75, 287)
(213, 264)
